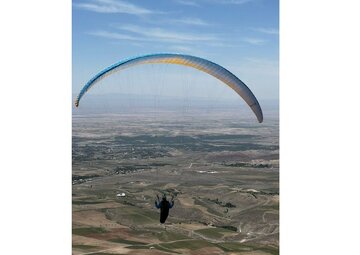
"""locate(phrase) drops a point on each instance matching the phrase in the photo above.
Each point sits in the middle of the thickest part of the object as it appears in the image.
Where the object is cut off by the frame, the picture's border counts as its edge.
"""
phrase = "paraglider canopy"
(201, 64)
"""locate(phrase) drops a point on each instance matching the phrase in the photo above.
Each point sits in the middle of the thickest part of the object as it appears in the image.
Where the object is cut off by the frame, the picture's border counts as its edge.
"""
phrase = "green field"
(124, 241)
(88, 231)
(166, 236)
(187, 244)
(132, 215)
(85, 247)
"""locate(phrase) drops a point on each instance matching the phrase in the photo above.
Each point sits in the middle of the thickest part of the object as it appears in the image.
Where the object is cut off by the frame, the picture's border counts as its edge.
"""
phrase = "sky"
(240, 35)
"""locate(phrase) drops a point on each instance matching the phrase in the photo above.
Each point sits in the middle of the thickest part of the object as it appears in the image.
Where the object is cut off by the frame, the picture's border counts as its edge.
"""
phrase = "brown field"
(222, 168)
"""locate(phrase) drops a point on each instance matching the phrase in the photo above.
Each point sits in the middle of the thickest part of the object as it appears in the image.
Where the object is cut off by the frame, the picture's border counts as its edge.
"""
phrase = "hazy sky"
(241, 35)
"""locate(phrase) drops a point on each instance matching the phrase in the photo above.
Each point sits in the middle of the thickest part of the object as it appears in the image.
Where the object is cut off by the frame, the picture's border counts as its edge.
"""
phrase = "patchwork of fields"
(222, 169)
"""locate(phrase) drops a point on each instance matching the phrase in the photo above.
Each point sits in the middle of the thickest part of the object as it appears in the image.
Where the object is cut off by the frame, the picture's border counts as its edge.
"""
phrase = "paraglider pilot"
(164, 207)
